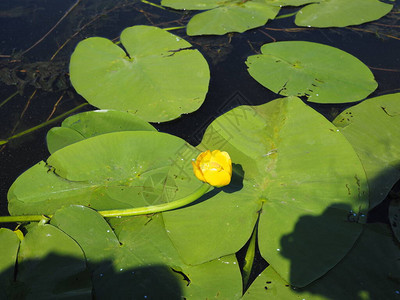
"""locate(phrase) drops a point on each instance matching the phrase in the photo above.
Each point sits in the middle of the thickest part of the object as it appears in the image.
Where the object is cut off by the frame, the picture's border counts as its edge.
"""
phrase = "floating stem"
(42, 124)
(156, 208)
(123, 212)
(8, 99)
(286, 16)
(153, 4)
(174, 28)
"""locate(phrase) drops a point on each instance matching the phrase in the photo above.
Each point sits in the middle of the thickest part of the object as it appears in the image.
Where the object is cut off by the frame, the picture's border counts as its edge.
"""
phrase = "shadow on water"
(369, 269)
(336, 222)
(64, 277)
(362, 265)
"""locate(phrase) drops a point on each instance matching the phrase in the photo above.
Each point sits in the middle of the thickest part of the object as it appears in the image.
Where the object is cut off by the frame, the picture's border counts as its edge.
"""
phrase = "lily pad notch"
(156, 81)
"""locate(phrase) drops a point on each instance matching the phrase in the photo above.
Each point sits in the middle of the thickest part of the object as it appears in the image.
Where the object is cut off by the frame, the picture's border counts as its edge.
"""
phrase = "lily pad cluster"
(303, 185)
(103, 261)
(300, 185)
(220, 17)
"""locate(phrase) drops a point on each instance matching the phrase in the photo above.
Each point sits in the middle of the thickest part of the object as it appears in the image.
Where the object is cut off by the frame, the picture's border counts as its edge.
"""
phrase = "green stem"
(27, 218)
(153, 4)
(8, 99)
(249, 258)
(42, 125)
(123, 212)
(157, 208)
(286, 16)
(174, 28)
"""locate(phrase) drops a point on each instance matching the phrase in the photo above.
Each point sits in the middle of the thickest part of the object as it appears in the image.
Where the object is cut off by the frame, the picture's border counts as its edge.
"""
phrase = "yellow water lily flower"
(214, 167)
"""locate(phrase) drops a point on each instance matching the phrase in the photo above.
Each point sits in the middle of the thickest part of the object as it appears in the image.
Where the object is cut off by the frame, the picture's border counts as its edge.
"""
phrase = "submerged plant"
(120, 209)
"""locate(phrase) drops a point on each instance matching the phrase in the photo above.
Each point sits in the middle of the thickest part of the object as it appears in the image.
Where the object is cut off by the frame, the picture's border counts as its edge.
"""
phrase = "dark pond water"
(40, 79)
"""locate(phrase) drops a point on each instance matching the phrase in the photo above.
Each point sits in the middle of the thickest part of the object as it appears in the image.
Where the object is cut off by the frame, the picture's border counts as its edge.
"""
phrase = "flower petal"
(203, 156)
(224, 160)
(197, 172)
(217, 179)
(213, 167)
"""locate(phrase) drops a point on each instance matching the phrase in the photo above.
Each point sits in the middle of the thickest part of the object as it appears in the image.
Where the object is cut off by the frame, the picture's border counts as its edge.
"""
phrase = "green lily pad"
(51, 265)
(372, 127)
(8, 258)
(371, 270)
(60, 137)
(322, 73)
(218, 226)
(296, 164)
(341, 13)
(192, 4)
(138, 259)
(290, 2)
(92, 123)
(108, 171)
(225, 16)
(156, 81)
